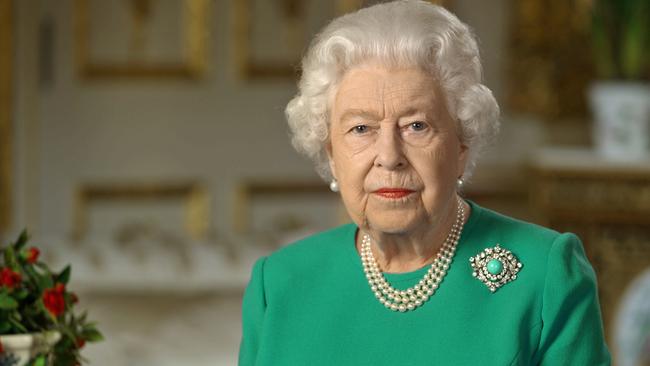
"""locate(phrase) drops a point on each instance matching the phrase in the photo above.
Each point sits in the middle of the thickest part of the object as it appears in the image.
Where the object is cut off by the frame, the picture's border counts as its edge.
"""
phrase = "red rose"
(32, 255)
(59, 287)
(53, 300)
(81, 343)
(9, 278)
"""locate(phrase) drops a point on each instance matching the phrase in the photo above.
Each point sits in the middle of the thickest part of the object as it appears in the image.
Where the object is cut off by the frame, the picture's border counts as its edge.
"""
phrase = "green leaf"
(5, 326)
(64, 276)
(10, 259)
(621, 38)
(66, 356)
(602, 43)
(33, 320)
(91, 334)
(635, 32)
(21, 294)
(16, 316)
(7, 302)
(43, 281)
(82, 318)
(17, 325)
(69, 337)
(23, 238)
(38, 361)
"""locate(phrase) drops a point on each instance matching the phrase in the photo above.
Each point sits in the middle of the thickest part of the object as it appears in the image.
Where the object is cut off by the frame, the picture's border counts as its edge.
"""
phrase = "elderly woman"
(392, 110)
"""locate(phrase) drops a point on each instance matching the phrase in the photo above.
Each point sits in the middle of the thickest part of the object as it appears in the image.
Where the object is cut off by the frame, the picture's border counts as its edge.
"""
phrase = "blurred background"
(144, 142)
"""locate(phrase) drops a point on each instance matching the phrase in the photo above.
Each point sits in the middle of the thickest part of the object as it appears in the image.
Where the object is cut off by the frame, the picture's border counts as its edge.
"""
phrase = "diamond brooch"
(495, 267)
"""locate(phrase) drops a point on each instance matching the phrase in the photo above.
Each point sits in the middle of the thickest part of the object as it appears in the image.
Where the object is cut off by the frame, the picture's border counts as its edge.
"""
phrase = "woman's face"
(394, 149)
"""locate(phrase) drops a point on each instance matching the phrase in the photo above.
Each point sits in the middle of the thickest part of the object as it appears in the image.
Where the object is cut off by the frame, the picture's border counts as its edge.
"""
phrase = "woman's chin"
(392, 223)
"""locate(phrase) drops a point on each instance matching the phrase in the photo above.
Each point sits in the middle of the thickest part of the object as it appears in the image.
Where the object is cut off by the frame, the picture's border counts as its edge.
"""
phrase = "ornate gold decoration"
(195, 34)
(347, 6)
(296, 35)
(250, 191)
(550, 58)
(6, 52)
(197, 203)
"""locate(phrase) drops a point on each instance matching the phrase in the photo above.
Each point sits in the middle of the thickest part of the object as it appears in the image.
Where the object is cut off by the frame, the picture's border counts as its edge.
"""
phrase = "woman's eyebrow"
(362, 113)
(410, 111)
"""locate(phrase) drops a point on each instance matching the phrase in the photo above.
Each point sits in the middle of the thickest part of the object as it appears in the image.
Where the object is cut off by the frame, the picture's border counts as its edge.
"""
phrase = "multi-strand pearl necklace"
(412, 298)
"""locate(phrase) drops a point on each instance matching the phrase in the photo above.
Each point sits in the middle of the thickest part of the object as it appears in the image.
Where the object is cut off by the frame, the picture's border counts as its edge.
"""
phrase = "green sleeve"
(253, 308)
(572, 330)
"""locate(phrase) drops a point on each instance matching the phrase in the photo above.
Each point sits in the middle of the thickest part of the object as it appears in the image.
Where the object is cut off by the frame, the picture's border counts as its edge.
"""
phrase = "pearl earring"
(334, 185)
(459, 183)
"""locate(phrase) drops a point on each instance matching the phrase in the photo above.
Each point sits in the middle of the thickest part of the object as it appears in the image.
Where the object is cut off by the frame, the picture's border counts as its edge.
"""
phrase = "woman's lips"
(393, 193)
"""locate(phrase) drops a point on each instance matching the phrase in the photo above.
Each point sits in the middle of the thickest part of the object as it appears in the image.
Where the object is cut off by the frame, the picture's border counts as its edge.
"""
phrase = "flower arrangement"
(34, 299)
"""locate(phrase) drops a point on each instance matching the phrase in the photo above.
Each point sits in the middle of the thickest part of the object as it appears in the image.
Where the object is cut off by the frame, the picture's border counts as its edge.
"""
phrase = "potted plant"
(620, 99)
(38, 325)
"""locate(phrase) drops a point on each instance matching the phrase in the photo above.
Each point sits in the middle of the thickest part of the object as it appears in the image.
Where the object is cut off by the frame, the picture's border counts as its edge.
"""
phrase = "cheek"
(435, 159)
(355, 198)
(355, 144)
(352, 163)
(352, 170)
(436, 168)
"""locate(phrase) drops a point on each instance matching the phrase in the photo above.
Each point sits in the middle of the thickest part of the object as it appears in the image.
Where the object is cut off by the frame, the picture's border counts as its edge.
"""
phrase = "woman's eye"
(360, 129)
(418, 126)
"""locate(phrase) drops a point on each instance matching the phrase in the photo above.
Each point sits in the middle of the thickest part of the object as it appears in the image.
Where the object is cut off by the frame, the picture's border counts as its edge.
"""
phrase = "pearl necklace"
(412, 298)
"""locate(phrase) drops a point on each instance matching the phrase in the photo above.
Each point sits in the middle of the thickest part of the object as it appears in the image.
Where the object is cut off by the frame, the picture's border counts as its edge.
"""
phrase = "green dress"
(309, 303)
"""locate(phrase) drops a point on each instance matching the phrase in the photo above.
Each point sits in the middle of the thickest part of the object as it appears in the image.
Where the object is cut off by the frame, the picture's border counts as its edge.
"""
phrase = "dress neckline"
(350, 244)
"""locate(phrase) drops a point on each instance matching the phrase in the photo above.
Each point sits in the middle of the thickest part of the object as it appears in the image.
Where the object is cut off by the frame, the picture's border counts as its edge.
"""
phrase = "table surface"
(577, 158)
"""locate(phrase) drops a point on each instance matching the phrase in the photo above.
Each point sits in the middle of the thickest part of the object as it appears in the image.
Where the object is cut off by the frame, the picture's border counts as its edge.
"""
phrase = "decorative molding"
(295, 20)
(191, 65)
(251, 191)
(195, 197)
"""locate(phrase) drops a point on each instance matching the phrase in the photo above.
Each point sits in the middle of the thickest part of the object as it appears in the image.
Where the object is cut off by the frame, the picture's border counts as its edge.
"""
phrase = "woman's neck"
(405, 252)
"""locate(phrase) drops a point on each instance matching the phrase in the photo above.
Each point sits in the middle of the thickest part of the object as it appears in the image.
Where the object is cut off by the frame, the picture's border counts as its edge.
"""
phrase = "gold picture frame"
(296, 36)
(195, 197)
(346, 6)
(191, 63)
(287, 192)
(550, 65)
(6, 100)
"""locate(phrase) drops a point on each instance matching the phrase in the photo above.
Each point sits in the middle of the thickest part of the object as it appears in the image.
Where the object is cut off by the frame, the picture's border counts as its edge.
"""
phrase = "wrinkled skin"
(390, 128)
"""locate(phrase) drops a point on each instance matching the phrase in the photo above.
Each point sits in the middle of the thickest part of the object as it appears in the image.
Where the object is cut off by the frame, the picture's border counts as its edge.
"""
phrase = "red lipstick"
(393, 193)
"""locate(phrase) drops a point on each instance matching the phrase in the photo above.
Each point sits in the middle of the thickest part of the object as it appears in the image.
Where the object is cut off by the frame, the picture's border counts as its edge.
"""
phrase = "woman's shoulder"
(512, 228)
(314, 250)
(541, 250)
(529, 240)
(558, 281)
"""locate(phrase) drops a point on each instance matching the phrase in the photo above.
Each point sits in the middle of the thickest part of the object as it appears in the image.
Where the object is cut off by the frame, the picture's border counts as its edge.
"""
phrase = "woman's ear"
(463, 155)
(330, 160)
(332, 168)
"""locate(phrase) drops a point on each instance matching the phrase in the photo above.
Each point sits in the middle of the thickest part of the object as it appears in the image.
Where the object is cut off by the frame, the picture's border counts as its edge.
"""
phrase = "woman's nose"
(390, 154)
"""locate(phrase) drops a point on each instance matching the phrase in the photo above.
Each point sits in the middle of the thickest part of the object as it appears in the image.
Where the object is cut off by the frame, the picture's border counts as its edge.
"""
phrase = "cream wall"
(218, 130)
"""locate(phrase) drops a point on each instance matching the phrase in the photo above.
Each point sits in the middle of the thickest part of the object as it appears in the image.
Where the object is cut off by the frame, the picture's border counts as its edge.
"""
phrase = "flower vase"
(19, 349)
(622, 120)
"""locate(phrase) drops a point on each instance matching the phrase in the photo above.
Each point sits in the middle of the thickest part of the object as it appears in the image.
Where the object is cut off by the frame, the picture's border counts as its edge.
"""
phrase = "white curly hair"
(403, 33)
